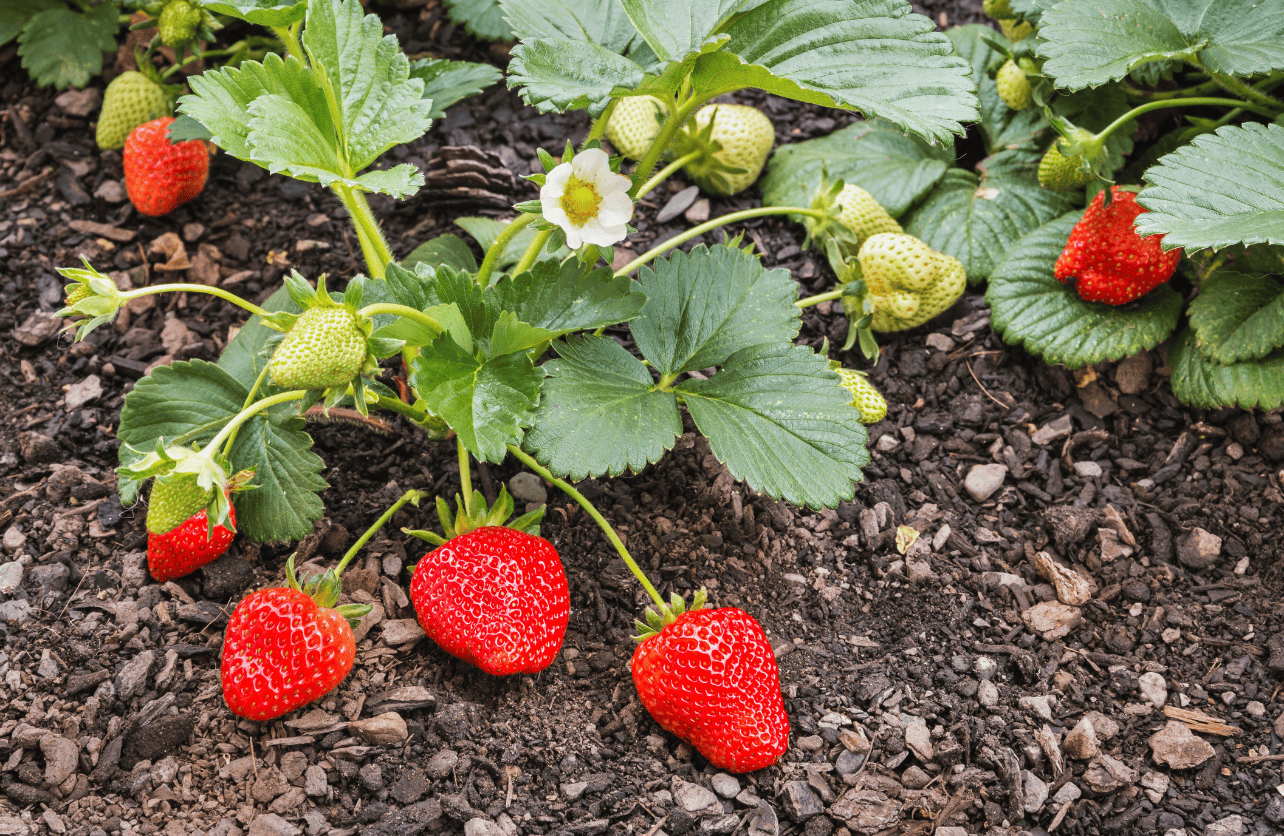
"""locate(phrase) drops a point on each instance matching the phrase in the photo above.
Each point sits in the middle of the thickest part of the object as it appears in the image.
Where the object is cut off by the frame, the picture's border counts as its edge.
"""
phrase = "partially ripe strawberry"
(1059, 173)
(494, 597)
(745, 135)
(1108, 260)
(159, 176)
(710, 678)
(870, 402)
(282, 650)
(324, 348)
(909, 281)
(130, 100)
(179, 540)
(634, 124)
(174, 500)
(1013, 86)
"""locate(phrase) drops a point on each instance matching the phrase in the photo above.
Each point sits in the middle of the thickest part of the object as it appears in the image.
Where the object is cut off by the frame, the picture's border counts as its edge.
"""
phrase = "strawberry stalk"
(411, 496)
(393, 309)
(664, 173)
(591, 510)
(828, 296)
(183, 287)
(491, 258)
(677, 118)
(599, 124)
(1195, 101)
(246, 414)
(465, 476)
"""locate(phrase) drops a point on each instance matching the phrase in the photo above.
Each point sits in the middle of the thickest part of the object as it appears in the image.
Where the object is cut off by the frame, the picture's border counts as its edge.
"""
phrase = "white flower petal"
(588, 163)
(559, 175)
(573, 237)
(616, 209)
(554, 213)
(595, 233)
(613, 183)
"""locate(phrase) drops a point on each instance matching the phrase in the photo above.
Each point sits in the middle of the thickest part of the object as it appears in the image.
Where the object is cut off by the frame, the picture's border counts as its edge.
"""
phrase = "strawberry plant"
(507, 357)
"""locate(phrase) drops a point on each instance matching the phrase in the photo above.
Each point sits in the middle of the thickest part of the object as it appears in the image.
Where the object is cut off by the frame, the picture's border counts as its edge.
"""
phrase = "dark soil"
(922, 689)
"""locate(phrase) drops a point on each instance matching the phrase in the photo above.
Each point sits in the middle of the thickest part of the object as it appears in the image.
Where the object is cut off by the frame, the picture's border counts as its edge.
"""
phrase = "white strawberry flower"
(587, 200)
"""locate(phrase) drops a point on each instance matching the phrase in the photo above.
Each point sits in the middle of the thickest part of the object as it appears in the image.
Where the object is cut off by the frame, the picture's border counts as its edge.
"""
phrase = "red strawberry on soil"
(282, 651)
(160, 176)
(1106, 257)
(179, 540)
(495, 597)
(710, 677)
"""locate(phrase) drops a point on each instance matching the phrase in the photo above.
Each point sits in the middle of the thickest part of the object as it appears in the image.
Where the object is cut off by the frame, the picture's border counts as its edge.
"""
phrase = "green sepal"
(354, 293)
(532, 206)
(546, 159)
(281, 321)
(301, 292)
(354, 613)
(430, 537)
(659, 617)
(461, 522)
(99, 300)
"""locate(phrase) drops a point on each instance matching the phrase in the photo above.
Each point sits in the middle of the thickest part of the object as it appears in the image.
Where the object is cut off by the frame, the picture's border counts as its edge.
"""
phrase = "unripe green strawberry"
(131, 99)
(908, 281)
(175, 500)
(77, 292)
(324, 348)
(1014, 87)
(1016, 30)
(745, 135)
(1057, 172)
(862, 214)
(177, 23)
(634, 124)
(998, 9)
(870, 402)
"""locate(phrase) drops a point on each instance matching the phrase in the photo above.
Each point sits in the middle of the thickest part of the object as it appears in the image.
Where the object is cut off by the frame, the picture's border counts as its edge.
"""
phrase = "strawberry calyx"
(325, 590)
(187, 481)
(829, 229)
(463, 520)
(89, 294)
(659, 617)
(708, 167)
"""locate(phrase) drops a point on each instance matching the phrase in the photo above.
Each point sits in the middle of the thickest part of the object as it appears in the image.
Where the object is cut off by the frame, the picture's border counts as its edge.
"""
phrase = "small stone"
(1132, 375)
(574, 789)
(848, 762)
(1106, 774)
(1051, 619)
(1199, 549)
(1176, 746)
(1255, 709)
(79, 102)
(692, 797)
(111, 191)
(1088, 470)
(1154, 689)
(1036, 791)
(1081, 742)
(915, 778)
(983, 480)
(269, 785)
(763, 821)
(1228, 826)
(725, 785)
(442, 763)
(800, 801)
(387, 729)
(402, 631)
(1050, 432)
(940, 342)
(270, 824)
(699, 211)
(87, 390)
(1068, 792)
(527, 487)
(1156, 785)
(10, 573)
(987, 693)
(371, 777)
(919, 741)
(315, 782)
(866, 811)
(61, 757)
(132, 678)
(1040, 705)
(678, 204)
(811, 743)
(14, 539)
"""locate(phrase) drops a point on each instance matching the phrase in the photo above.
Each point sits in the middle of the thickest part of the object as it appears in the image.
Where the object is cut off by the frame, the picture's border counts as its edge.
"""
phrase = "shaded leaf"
(277, 13)
(1199, 381)
(65, 48)
(480, 18)
(447, 82)
(1238, 317)
(564, 298)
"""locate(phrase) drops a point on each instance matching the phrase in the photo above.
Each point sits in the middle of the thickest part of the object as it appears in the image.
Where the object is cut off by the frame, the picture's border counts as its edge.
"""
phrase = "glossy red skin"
(710, 677)
(494, 597)
(1109, 261)
(160, 177)
(185, 549)
(282, 651)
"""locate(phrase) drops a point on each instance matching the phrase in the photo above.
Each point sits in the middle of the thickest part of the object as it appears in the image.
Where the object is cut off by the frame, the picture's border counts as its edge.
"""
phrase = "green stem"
(248, 413)
(570, 491)
(665, 172)
(249, 399)
(393, 309)
(213, 53)
(707, 226)
(1270, 105)
(289, 37)
(599, 124)
(408, 496)
(677, 118)
(1197, 90)
(508, 233)
(465, 477)
(1196, 101)
(528, 257)
(819, 297)
(182, 287)
(373, 246)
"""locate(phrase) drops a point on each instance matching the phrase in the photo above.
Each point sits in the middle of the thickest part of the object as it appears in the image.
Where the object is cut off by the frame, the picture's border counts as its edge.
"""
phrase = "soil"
(939, 688)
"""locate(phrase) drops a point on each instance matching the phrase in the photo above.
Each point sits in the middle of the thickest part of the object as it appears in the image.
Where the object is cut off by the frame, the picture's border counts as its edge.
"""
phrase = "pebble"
(1155, 784)
(725, 785)
(919, 741)
(387, 729)
(940, 342)
(315, 782)
(402, 631)
(410, 787)
(14, 539)
(1081, 741)
(1176, 746)
(800, 801)
(18, 610)
(1068, 792)
(10, 573)
(61, 757)
(1153, 688)
(1052, 620)
(1255, 709)
(79, 102)
(1088, 470)
(132, 678)
(692, 797)
(528, 487)
(87, 390)
(1050, 432)
(574, 789)
(915, 778)
(1199, 549)
(983, 480)
(1040, 705)
(1036, 791)
(987, 693)
(270, 824)
(442, 763)
(1228, 826)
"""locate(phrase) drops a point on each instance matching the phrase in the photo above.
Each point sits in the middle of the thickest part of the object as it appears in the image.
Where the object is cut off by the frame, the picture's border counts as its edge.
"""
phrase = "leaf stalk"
(710, 225)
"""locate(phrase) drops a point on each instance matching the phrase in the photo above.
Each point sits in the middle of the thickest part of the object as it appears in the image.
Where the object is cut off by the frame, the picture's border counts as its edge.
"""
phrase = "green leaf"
(487, 230)
(895, 168)
(367, 76)
(447, 82)
(15, 14)
(558, 74)
(874, 56)
(602, 22)
(1238, 317)
(563, 298)
(1090, 42)
(184, 128)
(1002, 127)
(1223, 188)
(486, 402)
(1201, 382)
(1029, 307)
(777, 417)
(976, 219)
(65, 48)
(676, 28)
(480, 18)
(278, 13)
(448, 250)
(600, 412)
(246, 354)
(705, 305)
(193, 400)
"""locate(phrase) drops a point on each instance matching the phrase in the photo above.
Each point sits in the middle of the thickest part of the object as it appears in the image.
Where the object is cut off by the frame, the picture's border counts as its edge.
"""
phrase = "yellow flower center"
(580, 201)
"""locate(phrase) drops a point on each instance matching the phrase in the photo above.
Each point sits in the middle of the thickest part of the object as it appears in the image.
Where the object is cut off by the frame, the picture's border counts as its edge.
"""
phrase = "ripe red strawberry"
(1109, 261)
(178, 536)
(283, 650)
(495, 597)
(710, 677)
(160, 177)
